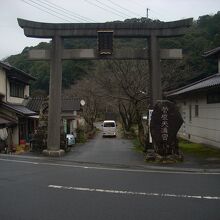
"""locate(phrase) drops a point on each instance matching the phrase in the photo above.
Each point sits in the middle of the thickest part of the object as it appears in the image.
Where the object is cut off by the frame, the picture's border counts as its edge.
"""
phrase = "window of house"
(213, 97)
(16, 90)
(196, 110)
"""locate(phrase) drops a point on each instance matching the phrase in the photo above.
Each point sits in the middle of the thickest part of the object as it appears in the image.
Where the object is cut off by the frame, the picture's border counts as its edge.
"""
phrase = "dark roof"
(6, 122)
(68, 104)
(209, 82)
(213, 52)
(11, 68)
(34, 103)
(18, 108)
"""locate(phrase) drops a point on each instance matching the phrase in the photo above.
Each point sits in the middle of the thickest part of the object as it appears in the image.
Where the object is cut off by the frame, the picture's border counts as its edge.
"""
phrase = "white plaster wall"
(206, 127)
(3, 82)
(3, 87)
(73, 127)
(17, 100)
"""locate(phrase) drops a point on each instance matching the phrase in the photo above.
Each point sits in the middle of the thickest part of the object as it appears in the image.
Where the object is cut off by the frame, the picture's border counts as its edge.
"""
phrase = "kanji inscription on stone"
(165, 123)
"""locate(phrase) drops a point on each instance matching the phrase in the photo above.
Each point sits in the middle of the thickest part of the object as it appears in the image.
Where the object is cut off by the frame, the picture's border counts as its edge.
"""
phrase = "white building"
(14, 116)
(199, 104)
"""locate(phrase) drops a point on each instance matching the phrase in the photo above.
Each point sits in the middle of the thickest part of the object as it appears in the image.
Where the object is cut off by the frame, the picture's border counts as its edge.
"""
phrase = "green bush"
(81, 137)
(198, 149)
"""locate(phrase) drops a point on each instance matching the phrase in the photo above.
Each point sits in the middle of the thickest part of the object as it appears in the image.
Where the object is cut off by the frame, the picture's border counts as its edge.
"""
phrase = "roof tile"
(210, 81)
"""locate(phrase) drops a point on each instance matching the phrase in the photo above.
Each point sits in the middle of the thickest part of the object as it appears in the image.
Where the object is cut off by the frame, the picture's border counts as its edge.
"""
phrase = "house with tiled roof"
(19, 113)
(70, 111)
(15, 118)
(199, 104)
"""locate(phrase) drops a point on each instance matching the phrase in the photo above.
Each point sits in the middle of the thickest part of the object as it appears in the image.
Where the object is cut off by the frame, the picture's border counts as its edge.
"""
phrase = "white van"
(109, 128)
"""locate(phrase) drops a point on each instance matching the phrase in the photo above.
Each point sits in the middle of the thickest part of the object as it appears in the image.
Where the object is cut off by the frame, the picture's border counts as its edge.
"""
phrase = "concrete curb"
(119, 166)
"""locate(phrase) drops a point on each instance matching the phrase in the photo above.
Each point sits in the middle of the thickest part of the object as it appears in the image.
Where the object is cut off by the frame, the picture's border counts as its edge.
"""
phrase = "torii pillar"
(155, 70)
(55, 88)
(151, 31)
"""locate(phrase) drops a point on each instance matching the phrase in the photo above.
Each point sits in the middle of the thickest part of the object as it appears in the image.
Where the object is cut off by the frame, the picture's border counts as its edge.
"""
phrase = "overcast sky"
(13, 41)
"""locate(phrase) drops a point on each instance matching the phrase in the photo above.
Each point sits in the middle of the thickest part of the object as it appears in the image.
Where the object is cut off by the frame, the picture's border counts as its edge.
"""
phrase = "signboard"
(164, 125)
(105, 42)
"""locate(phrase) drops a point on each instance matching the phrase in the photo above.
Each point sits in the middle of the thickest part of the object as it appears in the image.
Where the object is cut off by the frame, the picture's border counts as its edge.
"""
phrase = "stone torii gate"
(58, 31)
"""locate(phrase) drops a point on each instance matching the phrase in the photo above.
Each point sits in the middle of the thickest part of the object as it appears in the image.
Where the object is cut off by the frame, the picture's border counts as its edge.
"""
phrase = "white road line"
(147, 194)
(112, 169)
(19, 161)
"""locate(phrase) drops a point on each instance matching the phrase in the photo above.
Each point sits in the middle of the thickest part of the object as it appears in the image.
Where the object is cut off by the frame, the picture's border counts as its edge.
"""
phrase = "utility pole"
(147, 10)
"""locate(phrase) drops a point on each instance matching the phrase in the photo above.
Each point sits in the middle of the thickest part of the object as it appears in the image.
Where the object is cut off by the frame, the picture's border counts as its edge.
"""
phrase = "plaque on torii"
(58, 31)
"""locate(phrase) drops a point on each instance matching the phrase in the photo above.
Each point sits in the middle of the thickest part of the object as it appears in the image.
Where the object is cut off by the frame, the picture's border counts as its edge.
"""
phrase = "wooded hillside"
(202, 36)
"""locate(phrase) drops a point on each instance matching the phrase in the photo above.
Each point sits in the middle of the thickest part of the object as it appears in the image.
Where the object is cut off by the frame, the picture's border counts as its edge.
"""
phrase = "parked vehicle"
(109, 128)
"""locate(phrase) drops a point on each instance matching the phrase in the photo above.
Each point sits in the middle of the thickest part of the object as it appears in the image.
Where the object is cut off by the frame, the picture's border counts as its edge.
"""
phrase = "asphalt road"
(43, 189)
(84, 185)
(108, 150)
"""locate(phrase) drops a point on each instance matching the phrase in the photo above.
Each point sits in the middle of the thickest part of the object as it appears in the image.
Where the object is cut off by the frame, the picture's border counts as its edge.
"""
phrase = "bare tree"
(127, 114)
(123, 84)
(126, 82)
(87, 90)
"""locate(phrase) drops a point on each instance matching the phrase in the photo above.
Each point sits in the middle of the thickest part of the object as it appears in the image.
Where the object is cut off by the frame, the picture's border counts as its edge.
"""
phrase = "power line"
(112, 8)
(45, 11)
(56, 10)
(63, 13)
(142, 4)
(112, 12)
(71, 13)
(139, 4)
(119, 6)
(43, 7)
